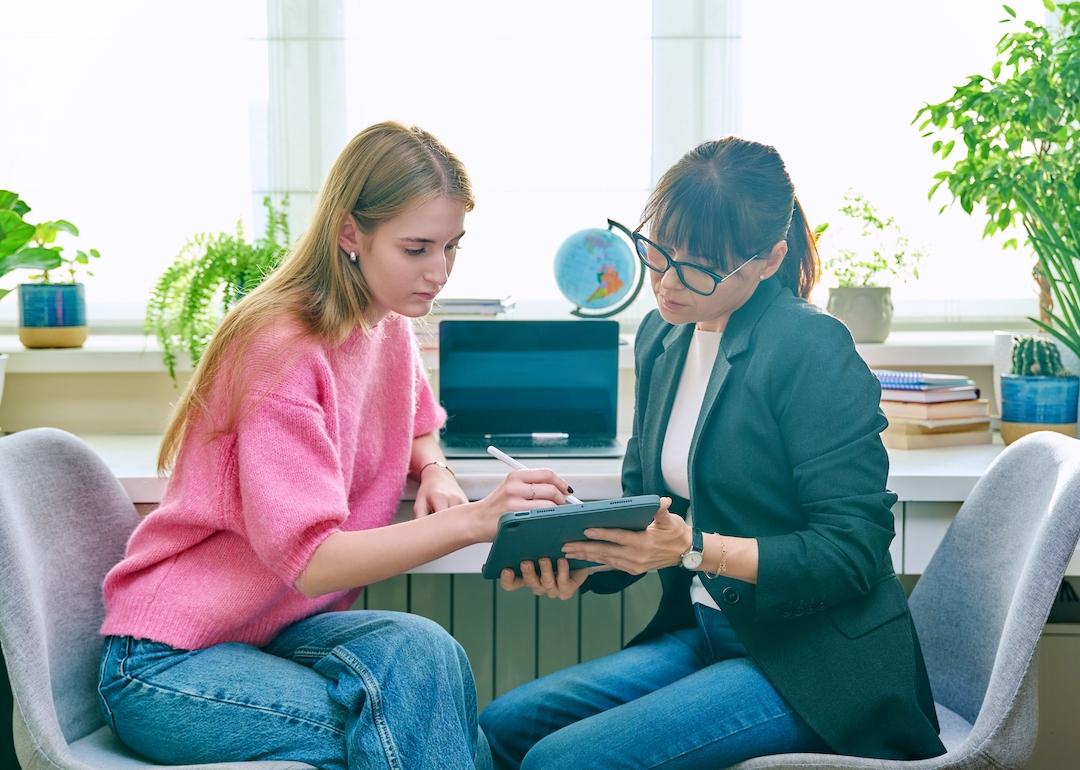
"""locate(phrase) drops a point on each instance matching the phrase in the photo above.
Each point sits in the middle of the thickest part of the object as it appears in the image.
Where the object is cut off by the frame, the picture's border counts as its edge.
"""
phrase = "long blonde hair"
(384, 170)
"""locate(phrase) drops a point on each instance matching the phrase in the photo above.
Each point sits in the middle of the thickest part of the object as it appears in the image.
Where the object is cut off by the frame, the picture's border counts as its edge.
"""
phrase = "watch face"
(692, 560)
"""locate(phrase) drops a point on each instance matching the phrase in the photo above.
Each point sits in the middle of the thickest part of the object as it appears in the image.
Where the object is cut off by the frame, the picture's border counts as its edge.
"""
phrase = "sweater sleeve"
(292, 490)
(428, 415)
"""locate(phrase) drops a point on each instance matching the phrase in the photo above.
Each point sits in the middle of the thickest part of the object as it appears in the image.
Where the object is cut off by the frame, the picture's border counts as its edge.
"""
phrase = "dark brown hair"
(729, 199)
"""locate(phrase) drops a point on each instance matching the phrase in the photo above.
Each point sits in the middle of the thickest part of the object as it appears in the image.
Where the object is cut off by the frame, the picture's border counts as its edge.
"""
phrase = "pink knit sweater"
(326, 450)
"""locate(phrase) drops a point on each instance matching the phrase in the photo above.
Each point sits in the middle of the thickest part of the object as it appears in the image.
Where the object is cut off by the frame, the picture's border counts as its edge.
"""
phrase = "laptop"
(531, 388)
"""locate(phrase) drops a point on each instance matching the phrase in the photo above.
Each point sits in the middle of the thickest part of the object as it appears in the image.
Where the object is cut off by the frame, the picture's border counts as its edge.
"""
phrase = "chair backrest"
(64, 522)
(981, 604)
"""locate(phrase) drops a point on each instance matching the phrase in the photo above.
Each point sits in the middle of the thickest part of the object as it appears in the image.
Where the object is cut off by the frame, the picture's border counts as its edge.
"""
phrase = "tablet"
(531, 535)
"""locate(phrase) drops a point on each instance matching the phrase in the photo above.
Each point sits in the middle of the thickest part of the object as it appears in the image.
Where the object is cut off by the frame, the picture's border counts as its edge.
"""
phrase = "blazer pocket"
(860, 616)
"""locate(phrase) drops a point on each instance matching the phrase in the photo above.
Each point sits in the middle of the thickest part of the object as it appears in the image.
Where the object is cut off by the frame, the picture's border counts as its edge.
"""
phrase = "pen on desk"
(498, 454)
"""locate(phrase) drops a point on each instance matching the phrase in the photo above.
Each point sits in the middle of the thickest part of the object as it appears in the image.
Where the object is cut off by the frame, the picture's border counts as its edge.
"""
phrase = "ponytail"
(799, 270)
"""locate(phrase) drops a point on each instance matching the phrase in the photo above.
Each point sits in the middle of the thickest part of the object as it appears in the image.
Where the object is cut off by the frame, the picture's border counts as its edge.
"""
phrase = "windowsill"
(119, 353)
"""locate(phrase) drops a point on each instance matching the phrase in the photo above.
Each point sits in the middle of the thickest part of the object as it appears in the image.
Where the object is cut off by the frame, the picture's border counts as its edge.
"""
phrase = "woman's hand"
(519, 491)
(438, 490)
(562, 584)
(661, 544)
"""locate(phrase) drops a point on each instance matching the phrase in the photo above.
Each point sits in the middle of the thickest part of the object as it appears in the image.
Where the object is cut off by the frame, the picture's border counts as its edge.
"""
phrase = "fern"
(210, 274)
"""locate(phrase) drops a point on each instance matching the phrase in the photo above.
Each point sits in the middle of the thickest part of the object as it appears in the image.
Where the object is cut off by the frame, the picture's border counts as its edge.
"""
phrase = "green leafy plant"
(1035, 357)
(1020, 129)
(871, 248)
(210, 274)
(24, 246)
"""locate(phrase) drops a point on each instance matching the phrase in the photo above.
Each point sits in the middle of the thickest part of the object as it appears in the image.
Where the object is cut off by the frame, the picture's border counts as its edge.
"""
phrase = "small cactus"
(1034, 357)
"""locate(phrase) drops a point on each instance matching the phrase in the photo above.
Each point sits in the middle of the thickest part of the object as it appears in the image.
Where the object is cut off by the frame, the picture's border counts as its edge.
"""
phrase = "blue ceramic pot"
(52, 315)
(1042, 400)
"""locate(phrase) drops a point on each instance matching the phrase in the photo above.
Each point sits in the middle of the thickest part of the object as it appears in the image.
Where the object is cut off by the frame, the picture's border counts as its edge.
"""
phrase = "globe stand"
(607, 312)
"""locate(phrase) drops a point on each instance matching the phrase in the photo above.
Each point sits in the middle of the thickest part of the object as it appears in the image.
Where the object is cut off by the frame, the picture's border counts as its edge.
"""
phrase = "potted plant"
(1020, 131)
(16, 250)
(52, 314)
(869, 248)
(209, 275)
(1039, 394)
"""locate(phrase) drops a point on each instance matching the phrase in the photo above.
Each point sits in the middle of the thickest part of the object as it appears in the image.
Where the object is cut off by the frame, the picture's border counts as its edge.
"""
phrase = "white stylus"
(498, 454)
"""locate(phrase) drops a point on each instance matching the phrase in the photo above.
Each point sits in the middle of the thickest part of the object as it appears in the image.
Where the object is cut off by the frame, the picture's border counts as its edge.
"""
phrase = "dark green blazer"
(787, 450)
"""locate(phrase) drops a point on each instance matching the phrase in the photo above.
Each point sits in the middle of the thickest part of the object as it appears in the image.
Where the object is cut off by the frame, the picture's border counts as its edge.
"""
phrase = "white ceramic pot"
(866, 310)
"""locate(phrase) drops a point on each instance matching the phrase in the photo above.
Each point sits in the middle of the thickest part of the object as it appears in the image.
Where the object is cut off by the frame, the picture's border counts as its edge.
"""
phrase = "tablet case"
(542, 531)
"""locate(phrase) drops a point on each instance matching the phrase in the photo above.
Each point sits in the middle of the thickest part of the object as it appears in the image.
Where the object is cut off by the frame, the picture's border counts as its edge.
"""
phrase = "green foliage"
(31, 247)
(878, 247)
(210, 274)
(1035, 357)
(1020, 132)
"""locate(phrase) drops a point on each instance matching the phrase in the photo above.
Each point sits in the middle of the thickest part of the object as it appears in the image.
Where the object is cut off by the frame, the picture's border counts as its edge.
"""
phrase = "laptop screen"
(521, 377)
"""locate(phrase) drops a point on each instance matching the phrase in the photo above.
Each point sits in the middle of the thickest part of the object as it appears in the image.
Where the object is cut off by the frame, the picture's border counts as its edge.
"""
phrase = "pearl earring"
(352, 256)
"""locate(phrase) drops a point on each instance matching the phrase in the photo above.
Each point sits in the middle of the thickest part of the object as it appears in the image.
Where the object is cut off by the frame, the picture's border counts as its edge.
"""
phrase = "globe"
(596, 270)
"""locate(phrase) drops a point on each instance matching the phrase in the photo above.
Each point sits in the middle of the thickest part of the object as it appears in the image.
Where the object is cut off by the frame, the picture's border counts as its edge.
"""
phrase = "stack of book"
(932, 410)
(471, 308)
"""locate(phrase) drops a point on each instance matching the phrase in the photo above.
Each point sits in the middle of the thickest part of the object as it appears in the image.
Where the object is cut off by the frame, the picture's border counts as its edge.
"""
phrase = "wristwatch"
(692, 559)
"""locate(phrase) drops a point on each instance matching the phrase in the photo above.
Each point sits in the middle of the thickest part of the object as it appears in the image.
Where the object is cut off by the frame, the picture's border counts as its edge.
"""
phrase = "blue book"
(895, 380)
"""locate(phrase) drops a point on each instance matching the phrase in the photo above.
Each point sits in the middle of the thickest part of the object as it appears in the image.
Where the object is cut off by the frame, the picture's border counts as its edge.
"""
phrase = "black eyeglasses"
(696, 278)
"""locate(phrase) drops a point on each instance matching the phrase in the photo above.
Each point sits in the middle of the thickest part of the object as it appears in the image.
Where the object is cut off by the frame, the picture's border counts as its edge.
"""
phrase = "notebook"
(962, 393)
(531, 388)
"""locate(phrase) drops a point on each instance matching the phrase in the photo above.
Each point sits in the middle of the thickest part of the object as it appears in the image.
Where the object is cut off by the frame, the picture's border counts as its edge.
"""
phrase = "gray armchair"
(980, 607)
(64, 520)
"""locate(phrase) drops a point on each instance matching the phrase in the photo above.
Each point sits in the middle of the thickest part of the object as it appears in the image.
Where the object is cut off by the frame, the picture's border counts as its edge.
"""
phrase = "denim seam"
(314, 653)
(101, 686)
(371, 685)
(252, 706)
(717, 739)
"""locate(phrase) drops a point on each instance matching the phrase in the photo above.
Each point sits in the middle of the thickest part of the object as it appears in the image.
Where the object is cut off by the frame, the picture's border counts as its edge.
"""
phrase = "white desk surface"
(934, 475)
(916, 475)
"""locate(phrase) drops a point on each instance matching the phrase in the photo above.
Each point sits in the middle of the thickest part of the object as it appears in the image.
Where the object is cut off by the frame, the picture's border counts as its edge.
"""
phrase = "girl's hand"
(438, 490)
(661, 544)
(562, 584)
(519, 491)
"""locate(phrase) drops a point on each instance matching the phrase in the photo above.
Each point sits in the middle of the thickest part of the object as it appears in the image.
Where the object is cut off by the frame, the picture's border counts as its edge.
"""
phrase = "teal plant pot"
(52, 315)
(1030, 404)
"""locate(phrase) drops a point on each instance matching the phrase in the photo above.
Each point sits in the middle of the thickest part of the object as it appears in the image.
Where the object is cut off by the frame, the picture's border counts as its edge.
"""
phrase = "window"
(146, 124)
(142, 123)
(551, 117)
(834, 86)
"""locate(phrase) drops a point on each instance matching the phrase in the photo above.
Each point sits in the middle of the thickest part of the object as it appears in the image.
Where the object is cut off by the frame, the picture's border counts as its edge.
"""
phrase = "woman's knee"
(556, 750)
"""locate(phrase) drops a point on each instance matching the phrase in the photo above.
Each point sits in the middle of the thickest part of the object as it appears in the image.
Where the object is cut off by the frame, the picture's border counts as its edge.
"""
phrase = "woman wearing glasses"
(782, 627)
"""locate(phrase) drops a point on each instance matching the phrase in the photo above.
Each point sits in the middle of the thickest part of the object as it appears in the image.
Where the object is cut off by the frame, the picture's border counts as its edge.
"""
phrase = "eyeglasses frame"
(636, 237)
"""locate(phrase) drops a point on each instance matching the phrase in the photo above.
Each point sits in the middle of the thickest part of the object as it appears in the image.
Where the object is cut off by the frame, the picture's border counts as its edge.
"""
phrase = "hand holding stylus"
(498, 454)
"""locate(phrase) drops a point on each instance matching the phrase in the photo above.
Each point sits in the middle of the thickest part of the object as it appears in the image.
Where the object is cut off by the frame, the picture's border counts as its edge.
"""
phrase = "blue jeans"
(339, 691)
(687, 699)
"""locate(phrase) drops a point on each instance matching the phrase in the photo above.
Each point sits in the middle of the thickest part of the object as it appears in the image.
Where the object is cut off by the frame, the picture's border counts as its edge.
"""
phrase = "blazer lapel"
(663, 385)
(734, 342)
